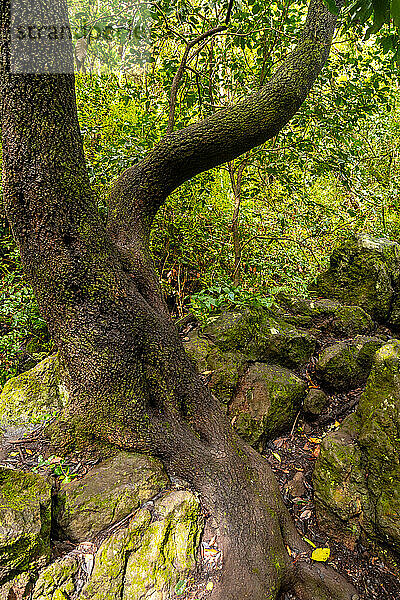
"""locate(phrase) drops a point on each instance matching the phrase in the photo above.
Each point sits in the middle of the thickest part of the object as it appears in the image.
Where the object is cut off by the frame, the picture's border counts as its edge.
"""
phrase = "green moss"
(25, 515)
(35, 395)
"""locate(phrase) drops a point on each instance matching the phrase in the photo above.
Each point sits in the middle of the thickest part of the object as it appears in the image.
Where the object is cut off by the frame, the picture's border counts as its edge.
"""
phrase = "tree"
(131, 383)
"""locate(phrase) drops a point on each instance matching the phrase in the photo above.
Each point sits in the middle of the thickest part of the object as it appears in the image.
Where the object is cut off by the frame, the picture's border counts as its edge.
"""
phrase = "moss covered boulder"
(262, 336)
(150, 557)
(33, 396)
(25, 521)
(315, 402)
(266, 403)
(357, 476)
(327, 316)
(365, 272)
(222, 368)
(346, 365)
(106, 494)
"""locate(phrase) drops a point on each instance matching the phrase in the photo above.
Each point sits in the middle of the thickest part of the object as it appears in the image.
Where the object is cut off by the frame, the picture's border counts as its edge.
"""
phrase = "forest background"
(241, 233)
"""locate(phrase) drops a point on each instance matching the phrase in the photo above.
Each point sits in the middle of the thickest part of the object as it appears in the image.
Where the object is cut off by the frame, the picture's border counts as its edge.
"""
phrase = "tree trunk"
(131, 383)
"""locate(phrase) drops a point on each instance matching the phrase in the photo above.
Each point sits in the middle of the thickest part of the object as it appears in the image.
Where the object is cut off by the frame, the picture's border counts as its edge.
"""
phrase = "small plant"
(225, 296)
(57, 466)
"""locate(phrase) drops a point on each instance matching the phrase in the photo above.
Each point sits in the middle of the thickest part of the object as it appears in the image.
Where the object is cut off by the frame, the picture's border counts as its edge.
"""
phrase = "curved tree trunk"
(131, 383)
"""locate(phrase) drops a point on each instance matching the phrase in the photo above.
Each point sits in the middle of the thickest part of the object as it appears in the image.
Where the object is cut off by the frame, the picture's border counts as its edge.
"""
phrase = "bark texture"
(131, 382)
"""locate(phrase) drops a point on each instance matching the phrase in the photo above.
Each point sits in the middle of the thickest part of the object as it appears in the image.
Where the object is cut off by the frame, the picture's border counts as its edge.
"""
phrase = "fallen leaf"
(28, 451)
(315, 440)
(209, 586)
(276, 455)
(306, 514)
(321, 554)
(317, 451)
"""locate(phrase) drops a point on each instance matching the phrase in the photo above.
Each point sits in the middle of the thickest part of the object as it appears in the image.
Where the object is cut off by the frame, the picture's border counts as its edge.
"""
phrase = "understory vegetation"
(223, 240)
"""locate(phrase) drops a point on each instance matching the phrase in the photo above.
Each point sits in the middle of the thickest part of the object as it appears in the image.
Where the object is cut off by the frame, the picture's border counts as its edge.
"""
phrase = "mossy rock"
(33, 396)
(364, 272)
(222, 368)
(25, 522)
(363, 457)
(145, 559)
(19, 586)
(327, 316)
(58, 580)
(107, 493)
(346, 365)
(261, 335)
(266, 403)
(315, 402)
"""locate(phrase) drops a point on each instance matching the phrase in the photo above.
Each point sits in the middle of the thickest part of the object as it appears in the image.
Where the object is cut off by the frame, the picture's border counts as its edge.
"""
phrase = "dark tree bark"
(131, 383)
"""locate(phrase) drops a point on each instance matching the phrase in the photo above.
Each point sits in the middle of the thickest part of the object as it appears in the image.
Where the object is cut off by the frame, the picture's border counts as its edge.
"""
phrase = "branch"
(223, 136)
(179, 73)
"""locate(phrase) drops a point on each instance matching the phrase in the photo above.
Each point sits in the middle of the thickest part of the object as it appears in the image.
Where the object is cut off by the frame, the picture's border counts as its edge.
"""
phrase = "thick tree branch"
(140, 190)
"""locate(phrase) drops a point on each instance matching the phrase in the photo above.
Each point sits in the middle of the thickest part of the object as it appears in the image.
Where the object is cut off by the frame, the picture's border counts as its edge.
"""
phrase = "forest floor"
(292, 458)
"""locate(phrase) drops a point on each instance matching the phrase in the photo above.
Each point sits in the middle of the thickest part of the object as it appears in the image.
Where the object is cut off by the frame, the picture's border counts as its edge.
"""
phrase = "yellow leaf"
(28, 451)
(315, 440)
(209, 586)
(321, 554)
(342, 79)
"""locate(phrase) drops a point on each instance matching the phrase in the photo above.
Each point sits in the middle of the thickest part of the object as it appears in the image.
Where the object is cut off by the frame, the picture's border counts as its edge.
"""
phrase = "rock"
(222, 368)
(17, 588)
(107, 493)
(145, 559)
(33, 396)
(315, 402)
(226, 368)
(59, 580)
(357, 475)
(364, 272)
(25, 521)
(295, 486)
(346, 365)
(266, 402)
(327, 316)
(261, 337)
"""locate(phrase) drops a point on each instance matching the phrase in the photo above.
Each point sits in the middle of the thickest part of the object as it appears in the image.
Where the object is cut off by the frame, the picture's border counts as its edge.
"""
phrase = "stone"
(17, 588)
(144, 559)
(266, 403)
(295, 486)
(108, 492)
(364, 272)
(32, 397)
(346, 365)
(357, 475)
(262, 337)
(327, 316)
(315, 402)
(225, 367)
(222, 368)
(25, 522)
(58, 581)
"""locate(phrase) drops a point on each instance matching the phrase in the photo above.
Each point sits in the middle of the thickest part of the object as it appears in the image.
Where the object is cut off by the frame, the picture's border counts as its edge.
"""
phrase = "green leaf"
(331, 4)
(180, 587)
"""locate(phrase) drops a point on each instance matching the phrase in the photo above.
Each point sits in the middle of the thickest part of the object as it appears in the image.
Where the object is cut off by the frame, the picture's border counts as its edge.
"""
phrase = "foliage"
(333, 170)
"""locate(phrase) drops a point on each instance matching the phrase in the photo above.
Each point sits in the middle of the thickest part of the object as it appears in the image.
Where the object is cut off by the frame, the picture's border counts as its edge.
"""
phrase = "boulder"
(364, 272)
(262, 337)
(222, 368)
(357, 475)
(266, 403)
(33, 396)
(346, 365)
(315, 402)
(108, 492)
(327, 316)
(150, 557)
(25, 522)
